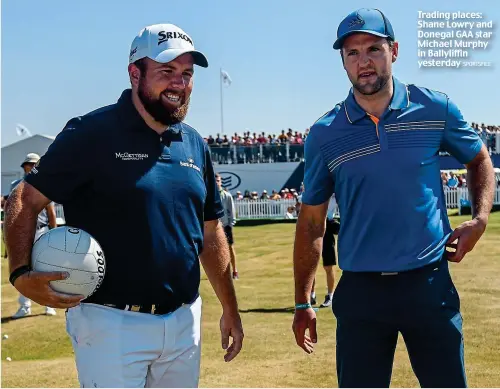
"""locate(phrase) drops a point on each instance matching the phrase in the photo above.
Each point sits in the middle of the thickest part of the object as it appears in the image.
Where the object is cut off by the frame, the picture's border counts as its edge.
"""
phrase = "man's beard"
(371, 89)
(158, 111)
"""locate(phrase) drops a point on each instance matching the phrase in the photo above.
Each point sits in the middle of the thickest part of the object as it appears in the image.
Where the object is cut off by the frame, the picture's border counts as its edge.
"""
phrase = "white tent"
(14, 154)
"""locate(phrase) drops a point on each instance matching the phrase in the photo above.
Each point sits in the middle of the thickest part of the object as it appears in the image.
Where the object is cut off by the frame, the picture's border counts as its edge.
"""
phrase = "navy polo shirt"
(144, 197)
(386, 176)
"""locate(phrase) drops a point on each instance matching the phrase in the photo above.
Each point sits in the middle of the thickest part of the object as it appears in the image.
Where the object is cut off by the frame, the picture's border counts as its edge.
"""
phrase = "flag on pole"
(22, 130)
(226, 80)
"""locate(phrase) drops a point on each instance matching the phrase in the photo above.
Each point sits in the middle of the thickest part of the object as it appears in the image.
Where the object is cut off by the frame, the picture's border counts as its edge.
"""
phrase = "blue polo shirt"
(144, 197)
(386, 176)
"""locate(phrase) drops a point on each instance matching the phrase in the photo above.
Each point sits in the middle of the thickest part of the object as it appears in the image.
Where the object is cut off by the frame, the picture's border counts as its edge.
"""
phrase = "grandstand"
(289, 146)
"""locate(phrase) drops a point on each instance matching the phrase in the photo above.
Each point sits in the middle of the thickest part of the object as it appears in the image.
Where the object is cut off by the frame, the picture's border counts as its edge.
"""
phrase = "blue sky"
(62, 59)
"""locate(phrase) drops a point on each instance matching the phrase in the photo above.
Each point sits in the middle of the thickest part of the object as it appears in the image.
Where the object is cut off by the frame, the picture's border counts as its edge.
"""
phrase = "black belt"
(41, 226)
(153, 309)
(430, 267)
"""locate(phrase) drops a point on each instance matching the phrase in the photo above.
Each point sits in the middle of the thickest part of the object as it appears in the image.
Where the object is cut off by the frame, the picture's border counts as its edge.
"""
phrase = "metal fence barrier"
(263, 153)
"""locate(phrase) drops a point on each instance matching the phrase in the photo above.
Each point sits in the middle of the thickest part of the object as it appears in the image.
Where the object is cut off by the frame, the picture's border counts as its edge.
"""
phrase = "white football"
(74, 251)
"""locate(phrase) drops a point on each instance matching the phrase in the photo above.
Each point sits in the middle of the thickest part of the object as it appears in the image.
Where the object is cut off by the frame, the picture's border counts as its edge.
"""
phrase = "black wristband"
(18, 273)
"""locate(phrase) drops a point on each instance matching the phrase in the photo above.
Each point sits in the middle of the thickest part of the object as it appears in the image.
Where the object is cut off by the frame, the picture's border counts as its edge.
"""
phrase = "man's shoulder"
(102, 115)
(189, 130)
(327, 121)
(426, 96)
(328, 117)
(91, 123)
(191, 133)
(226, 193)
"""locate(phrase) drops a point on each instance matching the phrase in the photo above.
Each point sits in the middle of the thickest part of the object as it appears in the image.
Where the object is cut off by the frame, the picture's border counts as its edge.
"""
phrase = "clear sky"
(62, 59)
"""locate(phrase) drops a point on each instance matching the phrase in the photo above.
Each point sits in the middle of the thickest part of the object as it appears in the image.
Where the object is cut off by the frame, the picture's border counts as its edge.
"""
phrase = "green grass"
(42, 356)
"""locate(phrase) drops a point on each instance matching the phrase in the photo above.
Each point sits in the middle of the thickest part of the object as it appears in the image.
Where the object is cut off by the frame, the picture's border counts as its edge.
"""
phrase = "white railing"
(277, 209)
(455, 198)
(262, 209)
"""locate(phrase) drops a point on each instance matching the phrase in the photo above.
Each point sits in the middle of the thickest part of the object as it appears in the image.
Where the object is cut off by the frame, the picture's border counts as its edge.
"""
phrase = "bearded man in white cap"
(136, 159)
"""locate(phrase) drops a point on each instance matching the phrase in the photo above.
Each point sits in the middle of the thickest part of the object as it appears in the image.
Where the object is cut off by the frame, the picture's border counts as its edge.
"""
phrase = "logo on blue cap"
(358, 20)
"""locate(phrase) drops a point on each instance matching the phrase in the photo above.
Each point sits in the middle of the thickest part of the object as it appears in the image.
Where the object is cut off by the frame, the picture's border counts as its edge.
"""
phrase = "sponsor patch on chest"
(190, 163)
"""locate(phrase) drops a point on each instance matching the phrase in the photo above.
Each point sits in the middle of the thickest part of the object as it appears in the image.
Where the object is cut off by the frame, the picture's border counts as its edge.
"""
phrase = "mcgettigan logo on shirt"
(131, 157)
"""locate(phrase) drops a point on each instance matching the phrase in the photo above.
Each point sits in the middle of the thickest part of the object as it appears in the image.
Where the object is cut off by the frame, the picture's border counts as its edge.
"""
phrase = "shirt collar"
(401, 96)
(400, 100)
(133, 120)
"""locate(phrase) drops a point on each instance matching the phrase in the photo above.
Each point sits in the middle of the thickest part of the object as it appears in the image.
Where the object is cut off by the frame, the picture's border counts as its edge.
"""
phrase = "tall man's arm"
(216, 262)
(307, 250)
(311, 225)
(24, 205)
(481, 184)
(463, 143)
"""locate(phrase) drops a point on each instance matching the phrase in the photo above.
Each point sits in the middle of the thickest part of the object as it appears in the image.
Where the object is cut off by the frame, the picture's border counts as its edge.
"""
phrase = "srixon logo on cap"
(165, 36)
(132, 52)
(357, 20)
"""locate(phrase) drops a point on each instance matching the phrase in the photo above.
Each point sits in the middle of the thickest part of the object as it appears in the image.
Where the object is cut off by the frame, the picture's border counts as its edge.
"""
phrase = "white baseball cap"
(31, 158)
(164, 43)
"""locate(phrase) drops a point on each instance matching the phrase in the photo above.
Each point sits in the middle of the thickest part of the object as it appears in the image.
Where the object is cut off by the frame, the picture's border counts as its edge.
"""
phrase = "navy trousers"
(423, 305)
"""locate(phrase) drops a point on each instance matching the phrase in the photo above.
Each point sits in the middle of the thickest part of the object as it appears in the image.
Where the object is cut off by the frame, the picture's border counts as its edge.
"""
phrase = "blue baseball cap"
(367, 20)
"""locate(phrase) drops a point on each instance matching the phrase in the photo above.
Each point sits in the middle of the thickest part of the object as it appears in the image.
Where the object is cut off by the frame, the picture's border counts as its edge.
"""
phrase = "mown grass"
(42, 356)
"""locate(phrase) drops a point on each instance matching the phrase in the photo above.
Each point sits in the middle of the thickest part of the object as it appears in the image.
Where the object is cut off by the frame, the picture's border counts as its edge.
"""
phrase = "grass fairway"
(42, 356)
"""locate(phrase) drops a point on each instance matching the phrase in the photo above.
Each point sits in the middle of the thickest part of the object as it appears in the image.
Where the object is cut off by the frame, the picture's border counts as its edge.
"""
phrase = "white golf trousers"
(116, 348)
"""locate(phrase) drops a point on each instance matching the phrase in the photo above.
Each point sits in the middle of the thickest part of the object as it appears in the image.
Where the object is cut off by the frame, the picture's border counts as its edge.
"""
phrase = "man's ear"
(135, 74)
(395, 51)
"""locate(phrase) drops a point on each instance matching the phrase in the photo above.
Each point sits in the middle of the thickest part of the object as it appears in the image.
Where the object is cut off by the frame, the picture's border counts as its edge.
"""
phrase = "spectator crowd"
(262, 148)
(489, 135)
(292, 205)
(453, 180)
(284, 194)
(289, 145)
(290, 137)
